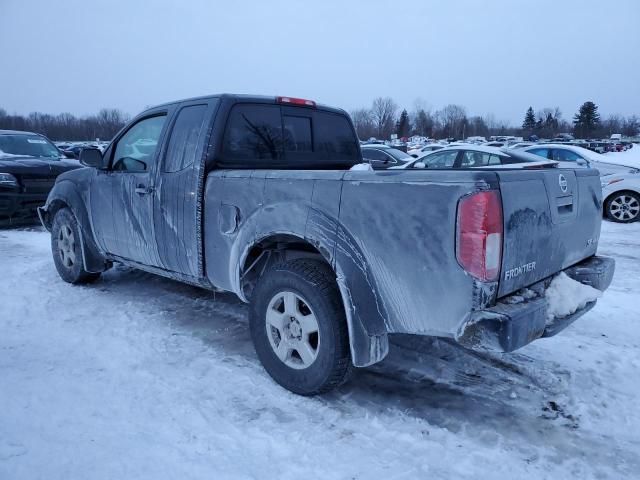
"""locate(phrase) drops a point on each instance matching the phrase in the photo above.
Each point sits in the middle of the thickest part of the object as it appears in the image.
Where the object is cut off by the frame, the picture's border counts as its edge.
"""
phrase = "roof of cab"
(246, 98)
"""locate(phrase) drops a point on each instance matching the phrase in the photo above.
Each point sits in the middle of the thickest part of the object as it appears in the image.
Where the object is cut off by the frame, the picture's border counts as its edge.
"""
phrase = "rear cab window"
(286, 137)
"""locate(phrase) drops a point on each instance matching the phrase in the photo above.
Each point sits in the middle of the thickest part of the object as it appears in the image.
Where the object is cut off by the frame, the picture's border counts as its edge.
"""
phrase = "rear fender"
(363, 307)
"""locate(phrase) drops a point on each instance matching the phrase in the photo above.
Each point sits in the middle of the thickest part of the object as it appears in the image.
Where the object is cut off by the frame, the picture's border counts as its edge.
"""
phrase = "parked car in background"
(383, 156)
(571, 156)
(621, 197)
(18, 142)
(477, 156)
(29, 166)
(431, 147)
(521, 145)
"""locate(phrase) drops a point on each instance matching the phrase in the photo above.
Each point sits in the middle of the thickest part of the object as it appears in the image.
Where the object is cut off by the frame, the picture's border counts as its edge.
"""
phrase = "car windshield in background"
(399, 154)
(28, 145)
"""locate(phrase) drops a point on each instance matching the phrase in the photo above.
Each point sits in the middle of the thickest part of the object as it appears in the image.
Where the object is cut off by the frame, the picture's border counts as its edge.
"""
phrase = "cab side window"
(136, 149)
(185, 137)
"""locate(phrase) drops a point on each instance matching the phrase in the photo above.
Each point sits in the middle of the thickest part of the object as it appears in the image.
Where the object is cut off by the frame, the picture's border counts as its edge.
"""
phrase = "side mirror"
(419, 165)
(582, 163)
(91, 157)
(68, 154)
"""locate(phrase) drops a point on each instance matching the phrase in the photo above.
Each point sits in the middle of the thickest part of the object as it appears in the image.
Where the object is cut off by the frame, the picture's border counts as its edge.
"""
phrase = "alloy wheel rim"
(66, 246)
(624, 207)
(292, 329)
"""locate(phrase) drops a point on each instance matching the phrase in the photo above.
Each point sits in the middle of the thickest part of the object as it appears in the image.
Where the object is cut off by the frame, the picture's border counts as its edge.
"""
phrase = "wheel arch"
(65, 195)
(365, 318)
(622, 190)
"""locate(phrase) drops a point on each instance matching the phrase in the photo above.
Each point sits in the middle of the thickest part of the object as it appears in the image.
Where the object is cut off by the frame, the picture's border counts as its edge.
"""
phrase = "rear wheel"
(299, 329)
(66, 248)
(623, 207)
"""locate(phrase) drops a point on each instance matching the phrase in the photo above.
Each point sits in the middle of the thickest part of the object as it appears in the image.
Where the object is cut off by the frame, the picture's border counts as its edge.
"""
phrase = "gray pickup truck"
(257, 196)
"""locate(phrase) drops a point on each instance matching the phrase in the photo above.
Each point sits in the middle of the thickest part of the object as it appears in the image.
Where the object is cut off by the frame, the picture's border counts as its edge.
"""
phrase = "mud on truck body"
(255, 196)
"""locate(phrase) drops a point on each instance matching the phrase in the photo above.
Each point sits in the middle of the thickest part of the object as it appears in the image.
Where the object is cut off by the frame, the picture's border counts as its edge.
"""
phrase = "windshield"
(399, 155)
(29, 145)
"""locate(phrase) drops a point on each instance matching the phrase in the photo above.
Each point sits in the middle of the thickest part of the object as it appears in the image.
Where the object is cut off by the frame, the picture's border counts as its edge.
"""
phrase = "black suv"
(29, 165)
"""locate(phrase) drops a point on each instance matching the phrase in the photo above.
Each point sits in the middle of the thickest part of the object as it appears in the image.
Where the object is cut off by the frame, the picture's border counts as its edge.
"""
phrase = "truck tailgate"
(551, 221)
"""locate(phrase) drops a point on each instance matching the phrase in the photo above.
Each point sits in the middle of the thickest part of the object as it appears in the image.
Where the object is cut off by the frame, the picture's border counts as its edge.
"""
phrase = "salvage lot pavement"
(136, 376)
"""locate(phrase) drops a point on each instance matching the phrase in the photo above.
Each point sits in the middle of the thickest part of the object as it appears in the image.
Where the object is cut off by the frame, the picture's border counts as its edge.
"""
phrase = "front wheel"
(623, 207)
(298, 327)
(66, 248)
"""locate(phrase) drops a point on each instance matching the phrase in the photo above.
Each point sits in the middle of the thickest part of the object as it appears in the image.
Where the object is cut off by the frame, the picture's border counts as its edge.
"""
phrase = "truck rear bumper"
(514, 322)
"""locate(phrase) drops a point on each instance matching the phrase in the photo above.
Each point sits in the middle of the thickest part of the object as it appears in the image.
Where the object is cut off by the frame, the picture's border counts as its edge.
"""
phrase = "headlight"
(8, 179)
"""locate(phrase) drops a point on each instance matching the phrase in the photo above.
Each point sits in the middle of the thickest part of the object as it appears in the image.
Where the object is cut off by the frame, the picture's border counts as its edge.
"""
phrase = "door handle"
(142, 190)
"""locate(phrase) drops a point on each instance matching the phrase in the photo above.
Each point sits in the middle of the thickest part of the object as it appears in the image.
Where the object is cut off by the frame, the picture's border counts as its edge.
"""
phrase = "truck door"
(178, 208)
(130, 184)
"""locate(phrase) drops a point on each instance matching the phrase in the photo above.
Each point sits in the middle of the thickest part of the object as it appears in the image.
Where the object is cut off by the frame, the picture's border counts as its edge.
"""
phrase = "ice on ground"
(566, 296)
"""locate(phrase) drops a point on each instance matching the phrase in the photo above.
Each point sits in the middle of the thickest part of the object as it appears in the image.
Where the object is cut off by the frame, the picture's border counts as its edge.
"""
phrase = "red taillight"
(479, 240)
(296, 101)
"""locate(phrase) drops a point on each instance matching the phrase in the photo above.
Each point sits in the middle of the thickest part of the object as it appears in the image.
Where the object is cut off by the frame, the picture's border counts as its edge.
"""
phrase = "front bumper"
(18, 207)
(508, 326)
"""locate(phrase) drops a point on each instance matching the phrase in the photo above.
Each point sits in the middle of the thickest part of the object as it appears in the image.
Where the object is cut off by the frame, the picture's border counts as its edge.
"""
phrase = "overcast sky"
(494, 56)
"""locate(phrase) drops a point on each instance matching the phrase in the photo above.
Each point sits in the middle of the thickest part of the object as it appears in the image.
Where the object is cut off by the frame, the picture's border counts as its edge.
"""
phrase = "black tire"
(614, 205)
(66, 249)
(314, 282)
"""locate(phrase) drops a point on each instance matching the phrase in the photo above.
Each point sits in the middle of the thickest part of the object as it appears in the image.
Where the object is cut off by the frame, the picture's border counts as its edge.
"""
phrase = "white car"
(570, 156)
(420, 151)
(621, 197)
(477, 156)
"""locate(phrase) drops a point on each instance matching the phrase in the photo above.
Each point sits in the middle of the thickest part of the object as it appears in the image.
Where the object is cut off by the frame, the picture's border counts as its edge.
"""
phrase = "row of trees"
(586, 123)
(65, 126)
(381, 120)
(385, 118)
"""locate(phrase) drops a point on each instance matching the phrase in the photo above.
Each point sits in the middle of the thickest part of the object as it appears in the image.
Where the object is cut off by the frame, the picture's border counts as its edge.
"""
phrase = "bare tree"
(363, 123)
(453, 119)
(383, 113)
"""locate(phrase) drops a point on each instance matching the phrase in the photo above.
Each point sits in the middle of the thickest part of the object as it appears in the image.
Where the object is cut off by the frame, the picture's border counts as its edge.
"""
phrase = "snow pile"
(566, 295)
(629, 157)
(361, 167)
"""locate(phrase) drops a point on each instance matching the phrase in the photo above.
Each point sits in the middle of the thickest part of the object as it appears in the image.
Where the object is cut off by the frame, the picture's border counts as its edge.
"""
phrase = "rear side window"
(562, 155)
(374, 154)
(253, 132)
(334, 138)
(541, 152)
(472, 158)
(185, 138)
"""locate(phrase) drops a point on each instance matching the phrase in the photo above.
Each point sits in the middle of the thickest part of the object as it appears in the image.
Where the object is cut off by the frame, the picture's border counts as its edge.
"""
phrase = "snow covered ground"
(138, 377)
